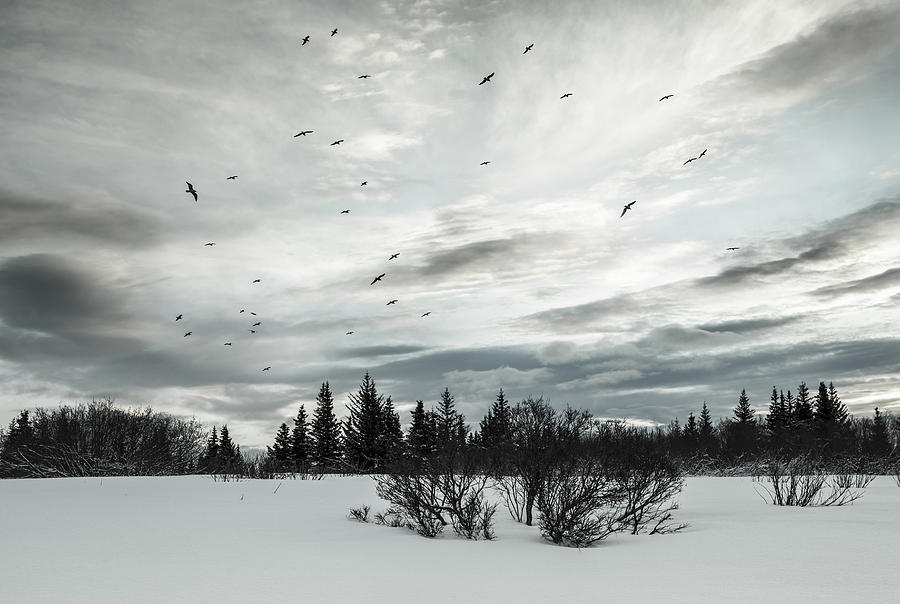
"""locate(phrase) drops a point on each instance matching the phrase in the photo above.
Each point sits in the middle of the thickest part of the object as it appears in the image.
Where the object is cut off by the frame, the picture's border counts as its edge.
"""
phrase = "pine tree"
(743, 413)
(451, 424)
(495, 427)
(743, 430)
(391, 434)
(209, 457)
(227, 453)
(831, 419)
(879, 440)
(418, 442)
(363, 442)
(803, 409)
(325, 432)
(706, 429)
(299, 449)
(280, 451)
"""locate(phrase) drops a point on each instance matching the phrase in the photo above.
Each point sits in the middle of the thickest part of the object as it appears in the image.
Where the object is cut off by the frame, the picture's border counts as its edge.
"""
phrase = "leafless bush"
(513, 491)
(853, 481)
(801, 482)
(417, 495)
(577, 504)
(360, 514)
(648, 485)
(224, 477)
(392, 517)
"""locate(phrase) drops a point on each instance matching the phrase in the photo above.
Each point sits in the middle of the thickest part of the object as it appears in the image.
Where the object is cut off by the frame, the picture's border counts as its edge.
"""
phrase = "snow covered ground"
(192, 540)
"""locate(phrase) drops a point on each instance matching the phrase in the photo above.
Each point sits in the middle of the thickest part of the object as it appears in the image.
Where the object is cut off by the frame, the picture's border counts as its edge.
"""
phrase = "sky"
(534, 281)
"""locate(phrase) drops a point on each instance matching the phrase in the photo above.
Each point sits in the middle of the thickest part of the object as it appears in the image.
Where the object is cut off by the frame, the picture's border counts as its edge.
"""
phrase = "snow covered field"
(192, 540)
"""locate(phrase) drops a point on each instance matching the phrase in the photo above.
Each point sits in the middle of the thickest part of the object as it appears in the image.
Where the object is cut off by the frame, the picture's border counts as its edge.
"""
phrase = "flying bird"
(484, 163)
(731, 249)
(208, 244)
(425, 314)
(394, 256)
(336, 143)
(378, 278)
(252, 330)
(364, 183)
(257, 324)
(345, 211)
(303, 133)
(568, 94)
(627, 207)
(394, 301)
(689, 161)
(267, 368)
(487, 78)
(227, 344)
(231, 177)
(349, 333)
(702, 154)
(256, 280)
(334, 31)
(178, 318)
(305, 40)
(191, 190)
(242, 310)
(527, 48)
(188, 333)
(668, 96)
(252, 313)
(363, 76)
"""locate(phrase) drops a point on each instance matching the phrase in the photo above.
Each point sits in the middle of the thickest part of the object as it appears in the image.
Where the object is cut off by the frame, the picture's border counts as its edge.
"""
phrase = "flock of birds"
(485, 80)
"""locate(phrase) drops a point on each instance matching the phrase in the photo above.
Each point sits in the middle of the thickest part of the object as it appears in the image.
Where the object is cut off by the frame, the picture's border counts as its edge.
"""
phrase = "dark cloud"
(837, 48)
(747, 325)
(379, 351)
(738, 274)
(52, 294)
(888, 278)
(101, 222)
(494, 255)
(577, 317)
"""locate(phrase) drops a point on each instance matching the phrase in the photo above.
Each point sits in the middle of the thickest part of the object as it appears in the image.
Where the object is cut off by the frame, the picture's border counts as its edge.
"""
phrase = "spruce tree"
(743, 429)
(495, 427)
(227, 453)
(706, 429)
(280, 451)
(879, 440)
(363, 442)
(417, 439)
(325, 432)
(451, 424)
(803, 409)
(391, 434)
(209, 458)
(299, 450)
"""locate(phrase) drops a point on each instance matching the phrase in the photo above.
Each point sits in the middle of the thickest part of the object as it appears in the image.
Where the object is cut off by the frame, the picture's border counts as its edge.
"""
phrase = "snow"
(193, 540)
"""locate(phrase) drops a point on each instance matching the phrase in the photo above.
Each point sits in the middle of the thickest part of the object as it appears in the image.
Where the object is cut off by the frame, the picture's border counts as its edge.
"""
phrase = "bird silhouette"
(303, 133)
(267, 368)
(425, 314)
(231, 177)
(187, 333)
(242, 310)
(208, 244)
(349, 333)
(394, 256)
(334, 31)
(338, 142)
(178, 318)
(566, 95)
(702, 154)
(256, 280)
(305, 40)
(731, 249)
(527, 48)
(689, 161)
(227, 344)
(345, 211)
(364, 183)
(484, 163)
(668, 96)
(363, 76)
(627, 207)
(191, 190)
(252, 313)
(487, 78)
(257, 324)
(378, 278)
(252, 330)
(394, 301)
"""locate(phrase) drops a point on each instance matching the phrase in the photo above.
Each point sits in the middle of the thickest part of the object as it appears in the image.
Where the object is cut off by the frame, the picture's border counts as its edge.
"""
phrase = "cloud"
(885, 279)
(379, 351)
(842, 47)
(742, 326)
(100, 222)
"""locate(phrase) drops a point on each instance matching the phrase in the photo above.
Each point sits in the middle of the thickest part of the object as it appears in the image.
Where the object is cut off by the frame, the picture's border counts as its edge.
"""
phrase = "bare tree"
(801, 482)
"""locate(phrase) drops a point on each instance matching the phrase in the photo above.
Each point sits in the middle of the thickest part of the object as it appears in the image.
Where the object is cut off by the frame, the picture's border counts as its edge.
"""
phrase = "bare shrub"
(360, 514)
(853, 481)
(392, 517)
(648, 485)
(801, 482)
(512, 488)
(577, 504)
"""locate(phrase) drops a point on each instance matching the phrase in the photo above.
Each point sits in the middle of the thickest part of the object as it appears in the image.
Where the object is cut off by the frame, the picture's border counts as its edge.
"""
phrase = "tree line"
(101, 439)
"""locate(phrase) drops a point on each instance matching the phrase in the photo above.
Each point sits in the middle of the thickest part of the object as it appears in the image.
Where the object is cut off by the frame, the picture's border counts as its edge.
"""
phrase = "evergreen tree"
(803, 409)
(495, 426)
(299, 449)
(743, 431)
(391, 434)
(363, 442)
(280, 451)
(743, 412)
(831, 419)
(879, 439)
(325, 432)
(450, 423)
(20, 434)
(691, 432)
(706, 430)
(228, 459)
(209, 457)
(419, 443)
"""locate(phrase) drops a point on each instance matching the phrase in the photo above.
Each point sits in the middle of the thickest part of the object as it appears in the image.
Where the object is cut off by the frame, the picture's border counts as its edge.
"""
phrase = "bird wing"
(194, 193)
(625, 209)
